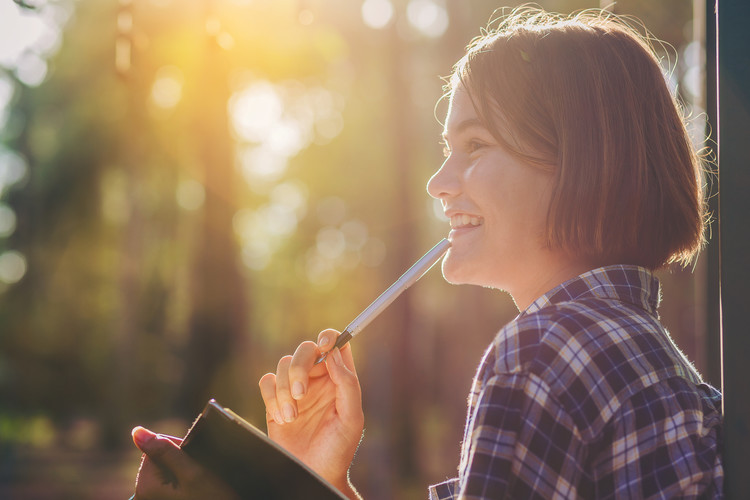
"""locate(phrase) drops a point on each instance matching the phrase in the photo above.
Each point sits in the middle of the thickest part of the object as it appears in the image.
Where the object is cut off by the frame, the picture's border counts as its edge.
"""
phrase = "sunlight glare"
(254, 109)
(261, 166)
(286, 137)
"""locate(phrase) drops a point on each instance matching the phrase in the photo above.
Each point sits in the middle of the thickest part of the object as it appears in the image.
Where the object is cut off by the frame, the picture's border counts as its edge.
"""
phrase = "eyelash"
(471, 146)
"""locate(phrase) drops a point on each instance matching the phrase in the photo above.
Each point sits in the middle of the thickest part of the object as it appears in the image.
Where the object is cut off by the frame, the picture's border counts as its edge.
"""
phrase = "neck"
(544, 276)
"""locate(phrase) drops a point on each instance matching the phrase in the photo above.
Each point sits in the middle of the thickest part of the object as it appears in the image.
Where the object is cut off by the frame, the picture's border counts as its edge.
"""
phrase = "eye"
(474, 145)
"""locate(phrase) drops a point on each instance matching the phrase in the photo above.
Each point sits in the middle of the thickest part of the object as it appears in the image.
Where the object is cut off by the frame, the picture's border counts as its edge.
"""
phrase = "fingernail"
(288, 412)
(142, 436)
(298, 390)
(277, 417)
(324, 341)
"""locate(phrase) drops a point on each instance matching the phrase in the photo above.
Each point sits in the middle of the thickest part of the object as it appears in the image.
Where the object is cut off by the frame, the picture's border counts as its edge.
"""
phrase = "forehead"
(461, 113)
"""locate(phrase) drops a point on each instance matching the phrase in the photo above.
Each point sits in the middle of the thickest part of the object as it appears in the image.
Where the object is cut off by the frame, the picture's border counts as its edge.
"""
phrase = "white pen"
(384, 300)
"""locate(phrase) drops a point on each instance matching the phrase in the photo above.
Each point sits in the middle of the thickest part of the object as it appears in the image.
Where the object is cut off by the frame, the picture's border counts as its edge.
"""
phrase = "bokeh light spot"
(377, 13)
(330, 242)
(12, 267)
(13, 168)
(190, 194)
(167, 89)
(254, 109)
(7, 221)
(428, 17)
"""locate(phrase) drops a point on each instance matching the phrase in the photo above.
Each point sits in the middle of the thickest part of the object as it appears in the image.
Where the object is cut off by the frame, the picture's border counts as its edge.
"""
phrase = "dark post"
(706, 14)
(734, 236)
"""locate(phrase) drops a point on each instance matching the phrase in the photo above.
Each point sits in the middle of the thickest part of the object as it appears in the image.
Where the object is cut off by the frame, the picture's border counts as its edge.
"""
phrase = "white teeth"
(463, 220)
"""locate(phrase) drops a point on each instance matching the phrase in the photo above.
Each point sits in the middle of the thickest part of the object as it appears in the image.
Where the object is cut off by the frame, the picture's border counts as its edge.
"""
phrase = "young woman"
(568, 179)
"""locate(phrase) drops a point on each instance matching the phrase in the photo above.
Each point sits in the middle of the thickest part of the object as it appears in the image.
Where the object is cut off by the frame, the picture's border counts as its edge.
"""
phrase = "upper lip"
(452, 212)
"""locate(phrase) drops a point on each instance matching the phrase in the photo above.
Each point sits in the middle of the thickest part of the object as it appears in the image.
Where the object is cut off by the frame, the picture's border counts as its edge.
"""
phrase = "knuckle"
(296, 372)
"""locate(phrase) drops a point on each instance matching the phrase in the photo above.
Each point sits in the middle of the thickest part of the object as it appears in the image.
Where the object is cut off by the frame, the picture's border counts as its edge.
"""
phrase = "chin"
(455, 274)
(449, 273)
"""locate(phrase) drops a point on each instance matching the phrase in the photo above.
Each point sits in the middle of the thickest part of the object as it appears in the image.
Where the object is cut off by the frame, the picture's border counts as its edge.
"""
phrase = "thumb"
(162, 450)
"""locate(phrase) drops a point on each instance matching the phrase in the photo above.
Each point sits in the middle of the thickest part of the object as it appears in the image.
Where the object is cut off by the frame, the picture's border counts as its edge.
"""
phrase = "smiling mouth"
(461, 221)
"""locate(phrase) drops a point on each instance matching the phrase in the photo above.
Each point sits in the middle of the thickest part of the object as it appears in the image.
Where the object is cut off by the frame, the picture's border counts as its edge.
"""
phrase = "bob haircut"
(584, 98)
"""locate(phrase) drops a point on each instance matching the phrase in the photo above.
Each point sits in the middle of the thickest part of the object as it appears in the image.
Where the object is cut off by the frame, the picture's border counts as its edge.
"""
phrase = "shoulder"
(593, 353)
(570, 333)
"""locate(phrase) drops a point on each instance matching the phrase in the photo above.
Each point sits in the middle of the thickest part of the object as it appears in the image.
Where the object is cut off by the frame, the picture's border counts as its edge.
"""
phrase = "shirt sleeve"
(665, 444)
(445, 490)
(521, 443)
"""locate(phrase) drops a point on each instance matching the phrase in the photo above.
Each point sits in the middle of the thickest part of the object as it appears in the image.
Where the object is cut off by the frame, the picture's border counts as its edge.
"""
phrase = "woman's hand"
(167, 473)
(315, 411)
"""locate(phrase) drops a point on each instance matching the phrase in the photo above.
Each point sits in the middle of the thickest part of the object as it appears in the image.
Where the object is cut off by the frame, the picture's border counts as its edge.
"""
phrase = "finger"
(326, 339)
(299, 369)
(286, 402)
(348, 357)
(267, 386)
(348, 391)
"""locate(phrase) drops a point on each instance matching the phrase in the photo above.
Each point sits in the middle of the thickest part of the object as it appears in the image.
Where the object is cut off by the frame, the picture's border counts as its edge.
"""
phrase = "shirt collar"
(624, 283)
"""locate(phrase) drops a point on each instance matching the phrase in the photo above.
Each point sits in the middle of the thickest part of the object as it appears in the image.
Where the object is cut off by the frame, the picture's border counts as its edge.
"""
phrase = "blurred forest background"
(190, 188)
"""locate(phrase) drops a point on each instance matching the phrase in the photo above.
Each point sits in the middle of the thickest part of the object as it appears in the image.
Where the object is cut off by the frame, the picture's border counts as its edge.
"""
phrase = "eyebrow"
(462, 126)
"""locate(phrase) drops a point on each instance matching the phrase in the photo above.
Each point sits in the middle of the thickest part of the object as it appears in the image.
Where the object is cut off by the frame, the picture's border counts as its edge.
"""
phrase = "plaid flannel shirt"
(584, 395)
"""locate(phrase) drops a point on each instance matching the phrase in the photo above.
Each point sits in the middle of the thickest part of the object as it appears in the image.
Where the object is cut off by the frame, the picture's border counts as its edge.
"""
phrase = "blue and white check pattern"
(584, 395)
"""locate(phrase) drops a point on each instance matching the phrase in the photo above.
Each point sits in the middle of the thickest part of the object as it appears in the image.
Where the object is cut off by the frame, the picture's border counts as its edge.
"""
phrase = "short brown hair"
(584, 97)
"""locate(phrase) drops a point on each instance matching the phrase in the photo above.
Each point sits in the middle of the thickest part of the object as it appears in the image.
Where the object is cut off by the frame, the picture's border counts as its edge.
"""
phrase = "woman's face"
(497, 205)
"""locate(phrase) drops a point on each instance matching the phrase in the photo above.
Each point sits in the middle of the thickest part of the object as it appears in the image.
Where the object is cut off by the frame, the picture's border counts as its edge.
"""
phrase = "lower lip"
(462, 230)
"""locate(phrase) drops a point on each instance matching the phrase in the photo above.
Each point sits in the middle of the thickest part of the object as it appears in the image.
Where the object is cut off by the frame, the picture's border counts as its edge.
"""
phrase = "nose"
(444, 183)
